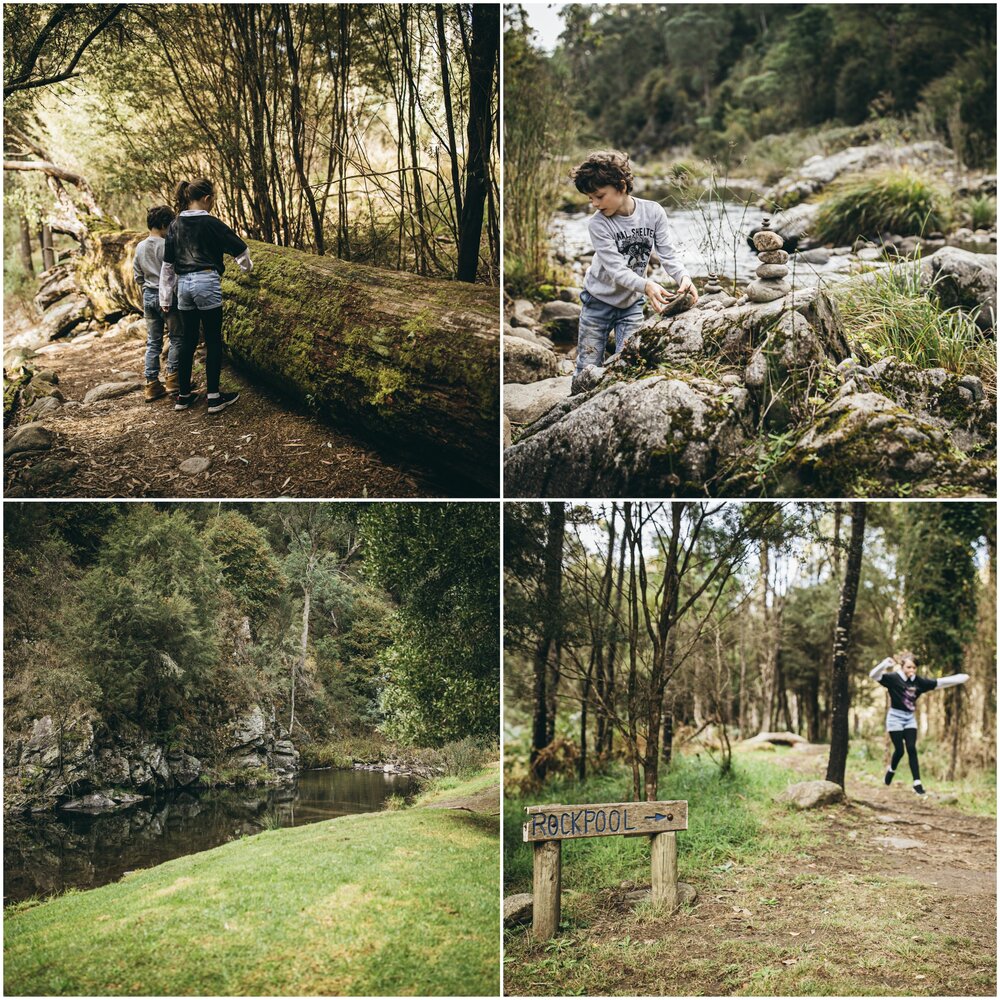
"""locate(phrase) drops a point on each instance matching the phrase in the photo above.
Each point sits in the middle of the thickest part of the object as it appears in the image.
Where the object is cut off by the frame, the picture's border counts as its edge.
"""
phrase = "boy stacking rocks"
(624, 231)
(146, 267)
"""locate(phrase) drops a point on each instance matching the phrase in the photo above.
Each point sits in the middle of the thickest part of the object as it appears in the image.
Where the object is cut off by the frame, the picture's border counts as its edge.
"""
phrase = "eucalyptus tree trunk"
(840, 693)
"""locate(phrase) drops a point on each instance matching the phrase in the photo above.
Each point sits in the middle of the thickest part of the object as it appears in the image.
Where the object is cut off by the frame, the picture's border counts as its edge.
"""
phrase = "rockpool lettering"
(582, 822)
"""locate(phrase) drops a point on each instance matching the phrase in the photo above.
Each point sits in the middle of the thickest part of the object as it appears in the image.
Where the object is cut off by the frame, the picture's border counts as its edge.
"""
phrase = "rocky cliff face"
(68, 768)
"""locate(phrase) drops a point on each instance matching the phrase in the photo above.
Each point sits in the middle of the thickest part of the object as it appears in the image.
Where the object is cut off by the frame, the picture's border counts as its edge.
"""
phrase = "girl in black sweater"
(192, 260)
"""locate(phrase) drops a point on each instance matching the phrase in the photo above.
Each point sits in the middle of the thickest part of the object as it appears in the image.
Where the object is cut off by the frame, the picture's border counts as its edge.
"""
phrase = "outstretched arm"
(887, 664)
(951, 680)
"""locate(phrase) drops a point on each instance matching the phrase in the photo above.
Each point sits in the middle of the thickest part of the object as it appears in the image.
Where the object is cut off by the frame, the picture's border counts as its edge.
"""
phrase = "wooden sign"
(548, 826)
(603, 820)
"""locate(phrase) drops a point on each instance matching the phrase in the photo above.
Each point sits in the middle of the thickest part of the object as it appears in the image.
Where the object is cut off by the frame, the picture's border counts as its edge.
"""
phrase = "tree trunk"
(25, 246)
(484, 52)
(550, 614)
(840, 695)
(303, 646)
(48, 254)
(410, 361)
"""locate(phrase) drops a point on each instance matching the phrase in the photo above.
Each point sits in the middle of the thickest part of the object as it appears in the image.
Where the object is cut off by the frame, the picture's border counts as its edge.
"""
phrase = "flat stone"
(111, 390)
(870, 253)
(811, 794)
(897, 843)
(767, 291)
(43, 407)
(518, 909)
(772, 271)
(767, 239)
(526, 403)
(195, 465)
(818, 255)
(773, 256)
(31, 437)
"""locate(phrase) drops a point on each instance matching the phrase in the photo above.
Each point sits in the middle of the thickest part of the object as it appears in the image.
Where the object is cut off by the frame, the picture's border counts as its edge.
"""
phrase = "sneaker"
(889, 775)
(216, 404)
(185, 402)
(918, 788)
(154, 390)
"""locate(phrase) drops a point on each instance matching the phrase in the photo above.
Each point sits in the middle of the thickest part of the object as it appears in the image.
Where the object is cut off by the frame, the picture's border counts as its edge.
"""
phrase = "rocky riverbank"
(70, 768)
(763, 389)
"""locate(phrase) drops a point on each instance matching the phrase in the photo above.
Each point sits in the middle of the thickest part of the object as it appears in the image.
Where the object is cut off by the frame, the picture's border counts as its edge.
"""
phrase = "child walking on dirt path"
(146, 267)
(192, 261)
(624, 231)
(905, 687)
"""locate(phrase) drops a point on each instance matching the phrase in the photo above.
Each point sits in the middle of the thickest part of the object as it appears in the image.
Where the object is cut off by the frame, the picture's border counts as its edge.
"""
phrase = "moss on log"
(398, 358)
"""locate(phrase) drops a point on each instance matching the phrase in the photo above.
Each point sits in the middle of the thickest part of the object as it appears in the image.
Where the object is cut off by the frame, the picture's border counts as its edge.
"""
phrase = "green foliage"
(145, 621)
(249, 568)
(441, 563)
(891, 201)
(940, 573)
(894, 315)
(978, 212)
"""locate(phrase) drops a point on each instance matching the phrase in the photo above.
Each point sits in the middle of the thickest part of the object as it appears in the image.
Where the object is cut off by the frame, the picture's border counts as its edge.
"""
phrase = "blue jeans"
(155, 322)
(199, 299)
(200, 290)
(597, 320)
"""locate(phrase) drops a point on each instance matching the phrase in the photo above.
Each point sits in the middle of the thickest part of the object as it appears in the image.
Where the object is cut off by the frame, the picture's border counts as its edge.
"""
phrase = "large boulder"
(561, 319)
(524, 404)
(524, 362)
(29, 437)
(658, 436)
(864, 444)
(249, 728)
(185, 769)
(966, 279)
(811, 794)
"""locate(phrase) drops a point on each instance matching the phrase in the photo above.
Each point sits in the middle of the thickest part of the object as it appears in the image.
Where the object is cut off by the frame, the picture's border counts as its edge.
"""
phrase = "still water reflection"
(47, 853)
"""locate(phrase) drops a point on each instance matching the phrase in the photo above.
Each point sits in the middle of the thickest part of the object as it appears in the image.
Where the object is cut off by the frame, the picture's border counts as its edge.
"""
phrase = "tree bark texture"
(406, 360)
(840, 694)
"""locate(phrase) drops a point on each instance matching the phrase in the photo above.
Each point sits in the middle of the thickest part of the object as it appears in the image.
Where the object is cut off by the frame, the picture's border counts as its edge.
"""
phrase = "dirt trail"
(844, 915)
(125, 447)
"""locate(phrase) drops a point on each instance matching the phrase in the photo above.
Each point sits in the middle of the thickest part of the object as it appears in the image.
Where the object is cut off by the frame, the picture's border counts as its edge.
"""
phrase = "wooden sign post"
(548, 826)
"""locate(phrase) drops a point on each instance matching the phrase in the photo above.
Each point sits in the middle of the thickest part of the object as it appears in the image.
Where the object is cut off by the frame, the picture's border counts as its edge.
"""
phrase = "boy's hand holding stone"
(687, 288)
(659, 297)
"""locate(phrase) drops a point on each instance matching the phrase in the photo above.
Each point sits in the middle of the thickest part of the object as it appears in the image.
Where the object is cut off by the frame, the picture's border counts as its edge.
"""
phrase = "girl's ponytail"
(181, 196)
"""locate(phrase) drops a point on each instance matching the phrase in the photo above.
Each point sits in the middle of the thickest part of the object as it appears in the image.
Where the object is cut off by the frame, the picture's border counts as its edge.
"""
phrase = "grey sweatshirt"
(622, 248)
(148, 261)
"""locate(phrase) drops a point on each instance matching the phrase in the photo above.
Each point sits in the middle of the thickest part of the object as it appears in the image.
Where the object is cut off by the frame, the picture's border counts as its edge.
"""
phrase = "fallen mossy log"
(409, 361)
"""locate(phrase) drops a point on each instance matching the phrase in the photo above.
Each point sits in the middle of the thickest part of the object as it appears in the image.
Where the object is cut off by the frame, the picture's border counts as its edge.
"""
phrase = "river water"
(710, 238)
(50, 852)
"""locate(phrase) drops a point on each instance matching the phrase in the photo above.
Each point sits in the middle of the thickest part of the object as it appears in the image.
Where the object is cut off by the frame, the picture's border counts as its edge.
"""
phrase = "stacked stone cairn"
(772, 275)
(712, 286)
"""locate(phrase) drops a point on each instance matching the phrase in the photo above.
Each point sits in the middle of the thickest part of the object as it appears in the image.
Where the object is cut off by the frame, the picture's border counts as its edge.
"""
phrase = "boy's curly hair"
(159, 217)
(603, 168)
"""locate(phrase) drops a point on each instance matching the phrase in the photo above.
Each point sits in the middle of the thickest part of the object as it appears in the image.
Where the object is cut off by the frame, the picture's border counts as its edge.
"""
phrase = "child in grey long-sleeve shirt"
(624, 231)
(146, 265)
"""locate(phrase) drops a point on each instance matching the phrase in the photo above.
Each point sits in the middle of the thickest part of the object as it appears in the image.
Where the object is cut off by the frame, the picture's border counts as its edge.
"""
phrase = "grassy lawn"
(789, 903)
(399, 902)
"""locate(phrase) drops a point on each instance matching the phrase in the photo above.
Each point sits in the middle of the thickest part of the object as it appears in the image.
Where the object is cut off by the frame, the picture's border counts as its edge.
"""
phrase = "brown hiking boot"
(154, 390)
(173, 384)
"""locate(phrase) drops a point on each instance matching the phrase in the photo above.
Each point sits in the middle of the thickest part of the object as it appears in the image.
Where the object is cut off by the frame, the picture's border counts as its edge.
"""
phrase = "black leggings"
(194, 321)
(907, 737)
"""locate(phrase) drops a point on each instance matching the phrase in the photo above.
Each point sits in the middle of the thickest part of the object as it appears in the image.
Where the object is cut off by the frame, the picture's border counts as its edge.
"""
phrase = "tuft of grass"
(978, 212)
(376, 904)
(888, 201)
(893, 315)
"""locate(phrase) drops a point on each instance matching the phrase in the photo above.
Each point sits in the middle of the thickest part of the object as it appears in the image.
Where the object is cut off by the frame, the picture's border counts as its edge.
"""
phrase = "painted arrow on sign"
(659, 816)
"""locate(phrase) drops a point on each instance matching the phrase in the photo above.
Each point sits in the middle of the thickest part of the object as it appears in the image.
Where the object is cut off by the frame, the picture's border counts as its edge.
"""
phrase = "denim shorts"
(200, 290)
(896, 720)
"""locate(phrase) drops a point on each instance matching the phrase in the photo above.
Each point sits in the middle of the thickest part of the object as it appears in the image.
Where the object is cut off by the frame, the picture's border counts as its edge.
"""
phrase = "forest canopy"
(171, 618)
(366, 131)
(647, 77)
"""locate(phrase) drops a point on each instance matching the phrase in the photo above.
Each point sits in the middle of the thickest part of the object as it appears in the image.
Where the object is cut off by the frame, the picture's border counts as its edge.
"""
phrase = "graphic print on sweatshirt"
(636, 246)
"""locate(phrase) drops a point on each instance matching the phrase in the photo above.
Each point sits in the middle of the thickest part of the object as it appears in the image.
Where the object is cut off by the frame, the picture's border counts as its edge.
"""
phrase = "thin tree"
(840, 694)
